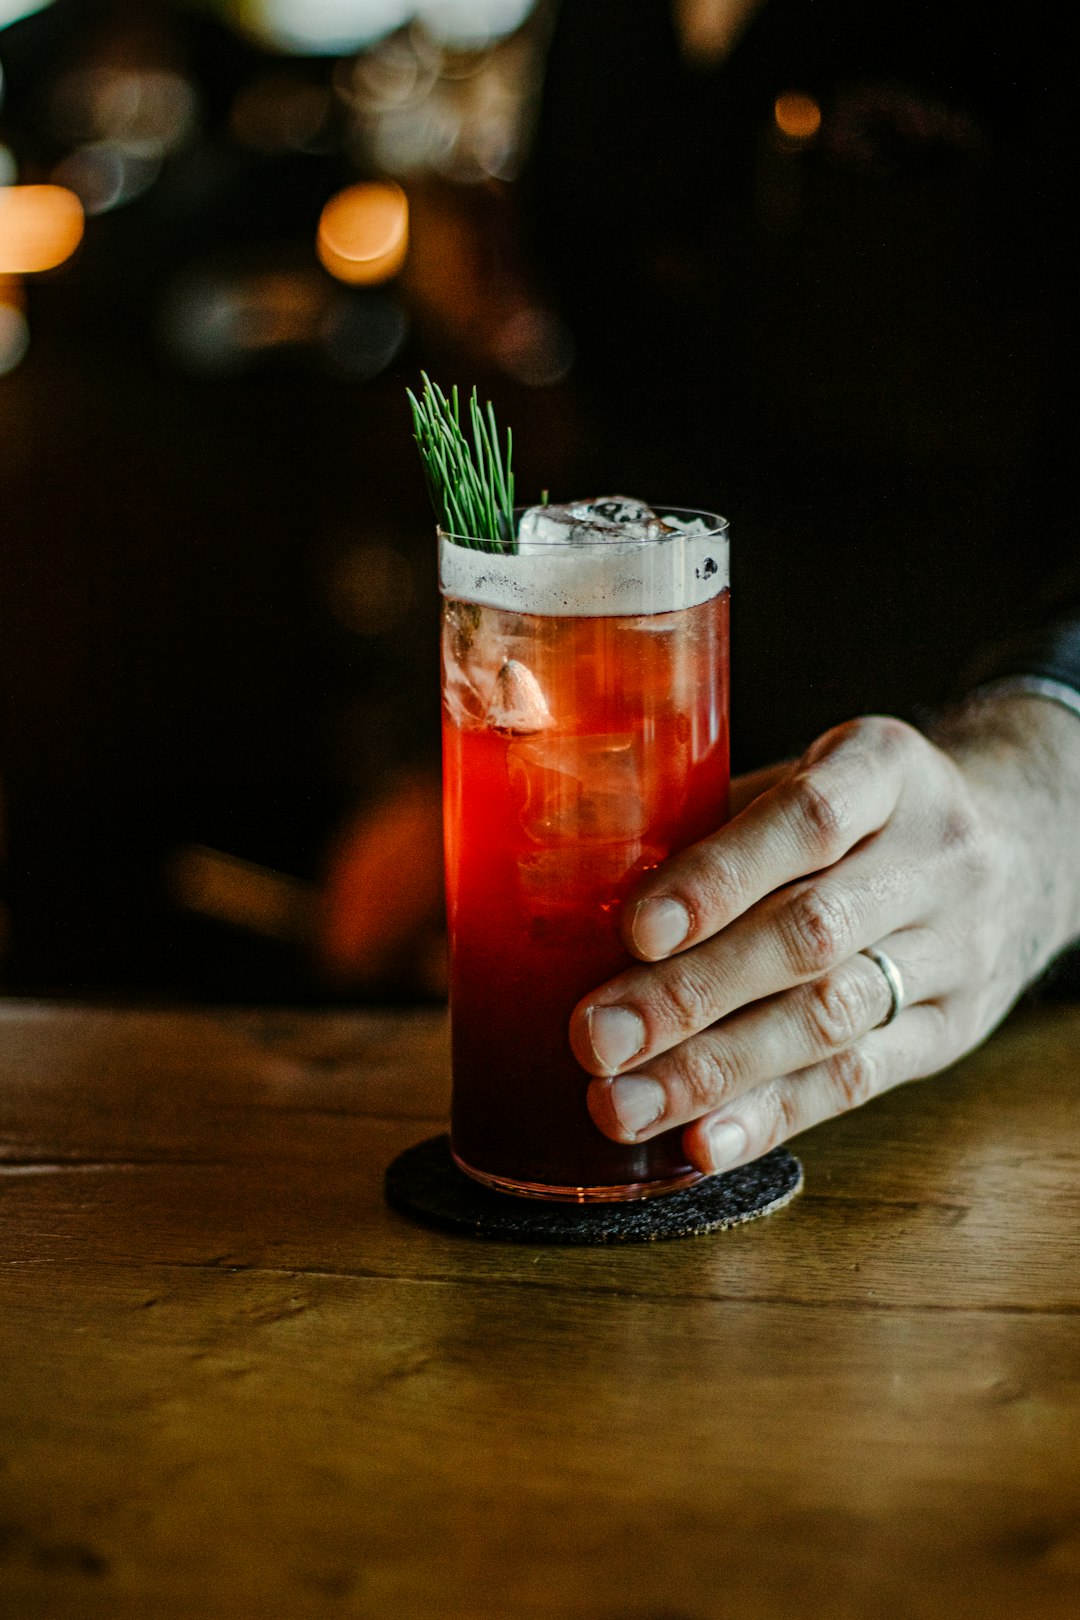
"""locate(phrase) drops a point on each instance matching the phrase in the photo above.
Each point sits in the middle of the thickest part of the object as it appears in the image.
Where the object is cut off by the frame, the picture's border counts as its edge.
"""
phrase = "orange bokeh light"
(797, 115)
(40, 227)
(364, 233)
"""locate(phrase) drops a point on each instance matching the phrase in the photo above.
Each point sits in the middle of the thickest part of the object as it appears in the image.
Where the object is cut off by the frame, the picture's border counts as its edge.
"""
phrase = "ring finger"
(917, 1044)
(776, 1036)
(794, 936)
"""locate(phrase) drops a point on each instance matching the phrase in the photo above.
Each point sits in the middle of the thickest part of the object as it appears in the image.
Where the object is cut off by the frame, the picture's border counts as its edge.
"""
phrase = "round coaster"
(425, 1182)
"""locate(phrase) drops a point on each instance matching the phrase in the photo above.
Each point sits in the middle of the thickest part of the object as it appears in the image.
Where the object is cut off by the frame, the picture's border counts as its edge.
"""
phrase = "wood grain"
(233, 1383)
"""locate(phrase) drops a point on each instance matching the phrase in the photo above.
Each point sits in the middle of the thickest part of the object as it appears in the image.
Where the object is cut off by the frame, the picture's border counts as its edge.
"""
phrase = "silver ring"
(893, 979)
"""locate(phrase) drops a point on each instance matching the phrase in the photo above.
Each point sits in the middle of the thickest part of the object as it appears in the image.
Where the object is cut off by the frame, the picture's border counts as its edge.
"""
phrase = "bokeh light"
(339, 27)
(13, 10)
(364, 233)
(217, 323)
(149, 110)
(708, 29)
(797, 115)
(14, 329)
(469, 24)
(400, 72)
(40, 227)
(321, 27)
(419, 107)
(104, 175)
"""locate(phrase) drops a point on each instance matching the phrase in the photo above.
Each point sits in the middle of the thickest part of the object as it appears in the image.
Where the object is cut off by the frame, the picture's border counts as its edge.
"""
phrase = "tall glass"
(585, 739)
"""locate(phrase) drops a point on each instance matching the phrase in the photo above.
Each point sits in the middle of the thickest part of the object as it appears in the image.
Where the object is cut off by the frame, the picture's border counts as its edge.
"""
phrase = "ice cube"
(690, 525)
(545, 526)
(610, 518)
(567, 890)
(471, 663)
(561, 526)
(621, 510)
(578, 789)
(517, 705)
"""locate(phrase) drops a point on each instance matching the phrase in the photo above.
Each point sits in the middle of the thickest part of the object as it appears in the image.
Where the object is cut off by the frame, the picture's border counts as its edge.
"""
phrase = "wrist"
(1019, 754)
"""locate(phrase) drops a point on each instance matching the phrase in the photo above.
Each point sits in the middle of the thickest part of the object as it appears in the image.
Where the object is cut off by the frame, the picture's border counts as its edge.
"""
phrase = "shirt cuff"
(1033, 686)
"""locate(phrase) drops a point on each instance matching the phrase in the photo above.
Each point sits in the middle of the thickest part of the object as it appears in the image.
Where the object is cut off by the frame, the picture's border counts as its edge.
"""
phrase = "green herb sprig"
(471, 485)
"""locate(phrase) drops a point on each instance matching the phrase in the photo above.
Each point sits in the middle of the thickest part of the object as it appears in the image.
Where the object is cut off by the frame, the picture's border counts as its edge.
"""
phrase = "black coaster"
(425, 1182)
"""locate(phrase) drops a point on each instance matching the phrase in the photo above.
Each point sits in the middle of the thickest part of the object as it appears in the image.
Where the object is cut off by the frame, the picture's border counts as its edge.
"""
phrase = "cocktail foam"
(598, 569)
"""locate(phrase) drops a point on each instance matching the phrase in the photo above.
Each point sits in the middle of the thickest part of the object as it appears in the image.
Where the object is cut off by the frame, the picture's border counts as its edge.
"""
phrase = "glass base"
(624, 1193)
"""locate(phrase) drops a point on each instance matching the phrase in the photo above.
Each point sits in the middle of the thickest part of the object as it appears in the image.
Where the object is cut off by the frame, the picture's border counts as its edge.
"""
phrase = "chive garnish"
(471, 485)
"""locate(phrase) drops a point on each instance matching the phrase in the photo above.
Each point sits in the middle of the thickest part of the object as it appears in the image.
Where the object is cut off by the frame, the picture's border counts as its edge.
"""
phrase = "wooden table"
(233, 1384)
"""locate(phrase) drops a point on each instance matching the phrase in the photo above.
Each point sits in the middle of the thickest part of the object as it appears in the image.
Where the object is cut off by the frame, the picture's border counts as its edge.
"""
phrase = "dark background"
(217, 580)
(217, 591)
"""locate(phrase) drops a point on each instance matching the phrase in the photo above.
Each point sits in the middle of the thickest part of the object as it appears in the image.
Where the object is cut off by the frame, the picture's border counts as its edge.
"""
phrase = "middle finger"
(780, 1035)
(793, 936)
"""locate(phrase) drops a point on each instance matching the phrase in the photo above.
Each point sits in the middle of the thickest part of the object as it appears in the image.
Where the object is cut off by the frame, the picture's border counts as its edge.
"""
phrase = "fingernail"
(726, 1141)
(637, 1102)
(658, 926)
(615, 1034)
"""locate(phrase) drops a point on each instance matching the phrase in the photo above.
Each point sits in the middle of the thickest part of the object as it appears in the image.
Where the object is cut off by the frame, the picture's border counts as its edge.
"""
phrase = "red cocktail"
(581, 748)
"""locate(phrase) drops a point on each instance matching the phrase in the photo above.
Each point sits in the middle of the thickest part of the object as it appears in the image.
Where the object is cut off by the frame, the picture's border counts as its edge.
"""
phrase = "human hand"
(758, 1015)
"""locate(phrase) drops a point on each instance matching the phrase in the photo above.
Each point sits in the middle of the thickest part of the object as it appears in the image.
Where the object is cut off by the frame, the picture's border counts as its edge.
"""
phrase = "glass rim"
(718, 530)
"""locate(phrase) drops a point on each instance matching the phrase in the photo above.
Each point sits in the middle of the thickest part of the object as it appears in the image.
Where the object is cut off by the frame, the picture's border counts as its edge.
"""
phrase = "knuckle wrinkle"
(684, 1002)
(838, 1011)
(705, 1082)
(824, 816)
(852, 1076)
(781, 1114)
(820, 932)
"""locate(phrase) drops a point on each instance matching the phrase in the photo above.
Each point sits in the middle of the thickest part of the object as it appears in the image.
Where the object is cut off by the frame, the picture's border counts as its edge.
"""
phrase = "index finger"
(843, 790)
